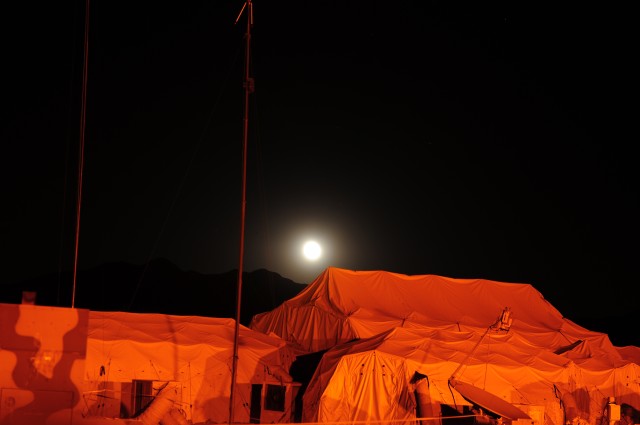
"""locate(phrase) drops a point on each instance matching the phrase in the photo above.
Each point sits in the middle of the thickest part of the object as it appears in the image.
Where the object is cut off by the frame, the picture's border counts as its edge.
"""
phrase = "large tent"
(75, 366)
(433, 326)
(192, 353)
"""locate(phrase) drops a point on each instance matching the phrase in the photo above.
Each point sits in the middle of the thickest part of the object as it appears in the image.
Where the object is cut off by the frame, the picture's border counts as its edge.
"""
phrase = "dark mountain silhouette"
(158, 287)
(162, 287)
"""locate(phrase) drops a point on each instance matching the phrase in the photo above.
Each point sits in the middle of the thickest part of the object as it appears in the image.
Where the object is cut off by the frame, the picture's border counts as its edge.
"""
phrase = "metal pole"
(248, 89)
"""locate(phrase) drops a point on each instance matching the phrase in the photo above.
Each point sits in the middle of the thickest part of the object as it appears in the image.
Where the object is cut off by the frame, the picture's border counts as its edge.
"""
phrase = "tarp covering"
(380, 321)
(341, 305)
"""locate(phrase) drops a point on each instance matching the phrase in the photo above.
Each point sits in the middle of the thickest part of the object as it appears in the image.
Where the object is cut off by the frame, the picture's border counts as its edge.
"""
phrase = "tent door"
(256, 403)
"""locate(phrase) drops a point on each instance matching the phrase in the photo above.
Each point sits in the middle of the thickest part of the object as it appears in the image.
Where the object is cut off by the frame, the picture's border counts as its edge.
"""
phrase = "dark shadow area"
(41, 372)
(160, 287)
(302, 370)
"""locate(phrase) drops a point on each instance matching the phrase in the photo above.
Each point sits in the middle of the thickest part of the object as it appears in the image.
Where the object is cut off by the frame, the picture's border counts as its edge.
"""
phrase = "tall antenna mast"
(248, 85)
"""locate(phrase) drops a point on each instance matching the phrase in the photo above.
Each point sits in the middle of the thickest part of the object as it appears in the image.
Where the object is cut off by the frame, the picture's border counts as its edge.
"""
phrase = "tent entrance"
(256, 403)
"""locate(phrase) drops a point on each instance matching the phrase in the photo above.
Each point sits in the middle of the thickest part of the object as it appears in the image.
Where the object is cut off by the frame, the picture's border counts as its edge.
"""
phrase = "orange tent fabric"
(432, 325)
(75, 366)
(194, 352)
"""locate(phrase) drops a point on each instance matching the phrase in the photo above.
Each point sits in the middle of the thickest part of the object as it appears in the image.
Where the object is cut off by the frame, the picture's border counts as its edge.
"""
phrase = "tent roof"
(159, 346)
(342, 305)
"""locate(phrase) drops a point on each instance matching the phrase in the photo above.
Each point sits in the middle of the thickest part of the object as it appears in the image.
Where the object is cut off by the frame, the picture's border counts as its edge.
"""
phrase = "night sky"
(480, 139)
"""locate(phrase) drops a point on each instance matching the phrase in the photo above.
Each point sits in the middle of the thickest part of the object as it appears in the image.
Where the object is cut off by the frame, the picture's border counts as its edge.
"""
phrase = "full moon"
(311, 250)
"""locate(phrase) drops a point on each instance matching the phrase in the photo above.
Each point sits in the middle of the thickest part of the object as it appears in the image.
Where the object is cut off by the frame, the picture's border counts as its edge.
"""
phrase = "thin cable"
(65, 192)
(83, 114)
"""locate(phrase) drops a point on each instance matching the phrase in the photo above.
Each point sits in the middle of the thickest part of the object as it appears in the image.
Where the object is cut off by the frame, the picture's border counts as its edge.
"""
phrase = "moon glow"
(311, 250)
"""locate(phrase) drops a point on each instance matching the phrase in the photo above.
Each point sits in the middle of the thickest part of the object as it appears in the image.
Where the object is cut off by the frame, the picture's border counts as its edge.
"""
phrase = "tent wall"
(535, 384)
(80, 367)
